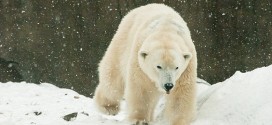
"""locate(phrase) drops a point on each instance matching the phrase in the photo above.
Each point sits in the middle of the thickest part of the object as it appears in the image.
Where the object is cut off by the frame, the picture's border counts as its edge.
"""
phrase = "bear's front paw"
(111, 109)
(141, 123)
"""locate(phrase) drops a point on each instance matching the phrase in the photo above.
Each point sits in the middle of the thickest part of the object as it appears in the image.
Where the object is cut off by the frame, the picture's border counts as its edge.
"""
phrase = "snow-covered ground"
(243, 99)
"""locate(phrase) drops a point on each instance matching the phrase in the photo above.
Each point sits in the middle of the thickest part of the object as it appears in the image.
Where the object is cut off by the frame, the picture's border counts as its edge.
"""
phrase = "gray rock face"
(61, 42)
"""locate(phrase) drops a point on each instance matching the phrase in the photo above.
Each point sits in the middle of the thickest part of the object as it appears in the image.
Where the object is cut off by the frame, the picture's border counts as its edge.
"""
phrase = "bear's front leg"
(180, 106)
(141, 101)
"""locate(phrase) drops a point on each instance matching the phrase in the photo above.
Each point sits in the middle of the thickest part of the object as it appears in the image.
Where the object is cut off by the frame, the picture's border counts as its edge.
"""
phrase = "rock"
(70, 117)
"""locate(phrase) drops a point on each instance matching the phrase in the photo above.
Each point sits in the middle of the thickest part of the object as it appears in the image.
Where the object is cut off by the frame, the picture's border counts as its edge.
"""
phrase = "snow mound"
(243, 99)
(44, 104)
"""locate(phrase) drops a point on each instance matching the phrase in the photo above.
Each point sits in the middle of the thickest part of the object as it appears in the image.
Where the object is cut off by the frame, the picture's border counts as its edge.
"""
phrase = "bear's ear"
(187, 55)
(143, 54)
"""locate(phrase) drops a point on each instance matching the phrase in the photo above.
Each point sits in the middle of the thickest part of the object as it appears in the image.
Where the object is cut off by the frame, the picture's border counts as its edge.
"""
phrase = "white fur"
(149, 36)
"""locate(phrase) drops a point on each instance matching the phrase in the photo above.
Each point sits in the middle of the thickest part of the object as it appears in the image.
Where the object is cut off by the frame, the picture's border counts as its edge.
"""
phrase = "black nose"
(168, 86)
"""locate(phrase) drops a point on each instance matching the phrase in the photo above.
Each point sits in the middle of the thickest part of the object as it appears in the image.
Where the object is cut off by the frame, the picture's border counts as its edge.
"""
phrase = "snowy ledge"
(243, 99)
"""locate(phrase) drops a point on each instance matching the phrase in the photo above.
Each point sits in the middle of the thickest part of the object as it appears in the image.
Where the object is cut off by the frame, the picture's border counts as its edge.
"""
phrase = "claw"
(141, 123)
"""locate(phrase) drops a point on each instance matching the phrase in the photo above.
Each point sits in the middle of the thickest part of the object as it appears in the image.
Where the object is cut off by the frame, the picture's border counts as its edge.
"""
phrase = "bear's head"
(164, 60)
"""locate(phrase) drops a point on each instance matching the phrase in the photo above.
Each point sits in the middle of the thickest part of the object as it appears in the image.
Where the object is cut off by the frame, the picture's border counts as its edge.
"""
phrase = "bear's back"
(138, 23)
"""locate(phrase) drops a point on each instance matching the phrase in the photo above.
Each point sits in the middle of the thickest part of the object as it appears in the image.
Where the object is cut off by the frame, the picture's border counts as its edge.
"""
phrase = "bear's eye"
(176, 68)
(159, 67)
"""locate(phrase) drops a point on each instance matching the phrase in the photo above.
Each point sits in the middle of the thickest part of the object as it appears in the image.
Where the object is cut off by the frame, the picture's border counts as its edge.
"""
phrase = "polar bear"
(151, 55)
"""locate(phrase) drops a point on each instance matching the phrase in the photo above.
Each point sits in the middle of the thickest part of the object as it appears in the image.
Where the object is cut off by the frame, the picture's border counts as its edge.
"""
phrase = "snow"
(243, 99)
